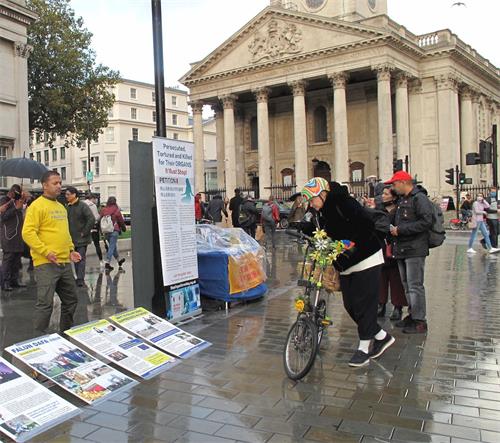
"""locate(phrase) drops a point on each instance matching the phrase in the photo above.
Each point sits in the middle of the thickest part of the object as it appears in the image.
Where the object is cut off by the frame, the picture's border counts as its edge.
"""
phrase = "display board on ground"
(71, 368)
(126, 351)
(159, 332)
(26, 407)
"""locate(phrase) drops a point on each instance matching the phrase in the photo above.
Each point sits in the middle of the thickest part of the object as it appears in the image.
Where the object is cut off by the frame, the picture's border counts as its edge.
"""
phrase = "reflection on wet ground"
(440, 388)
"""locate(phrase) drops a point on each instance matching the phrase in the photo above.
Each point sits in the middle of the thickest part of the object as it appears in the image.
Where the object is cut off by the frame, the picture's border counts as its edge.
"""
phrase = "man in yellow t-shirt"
(46, 232)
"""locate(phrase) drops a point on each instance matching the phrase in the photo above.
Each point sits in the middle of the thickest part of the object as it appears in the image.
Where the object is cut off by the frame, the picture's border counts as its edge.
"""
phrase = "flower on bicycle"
(320, 234)
(299, 304)
(321, 244)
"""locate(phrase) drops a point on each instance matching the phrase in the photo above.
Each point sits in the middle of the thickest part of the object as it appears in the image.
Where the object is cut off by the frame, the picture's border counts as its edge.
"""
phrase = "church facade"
(337, 89)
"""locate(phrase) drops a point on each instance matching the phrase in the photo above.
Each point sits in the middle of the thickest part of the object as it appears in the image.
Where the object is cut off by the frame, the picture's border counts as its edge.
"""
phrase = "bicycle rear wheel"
(301, 348)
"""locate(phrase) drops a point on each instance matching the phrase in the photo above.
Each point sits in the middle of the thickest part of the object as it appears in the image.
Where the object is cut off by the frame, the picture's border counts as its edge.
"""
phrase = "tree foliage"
(69, 93)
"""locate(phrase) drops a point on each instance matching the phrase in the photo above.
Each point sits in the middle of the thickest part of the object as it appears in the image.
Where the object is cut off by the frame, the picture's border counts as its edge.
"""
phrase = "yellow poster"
(245, 272)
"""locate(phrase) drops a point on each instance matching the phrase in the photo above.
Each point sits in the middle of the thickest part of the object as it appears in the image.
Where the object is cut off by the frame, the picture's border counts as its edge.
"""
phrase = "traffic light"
(461, 178)
(397, 165)
(472, 158)
(485, 152)
(450, 176)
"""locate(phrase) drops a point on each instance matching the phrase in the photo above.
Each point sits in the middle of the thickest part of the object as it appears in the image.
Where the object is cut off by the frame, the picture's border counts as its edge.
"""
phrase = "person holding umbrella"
(11, 217)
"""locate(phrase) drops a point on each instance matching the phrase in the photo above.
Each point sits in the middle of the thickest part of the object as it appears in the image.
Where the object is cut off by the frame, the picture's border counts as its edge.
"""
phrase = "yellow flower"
(299, 305)
(320, 234)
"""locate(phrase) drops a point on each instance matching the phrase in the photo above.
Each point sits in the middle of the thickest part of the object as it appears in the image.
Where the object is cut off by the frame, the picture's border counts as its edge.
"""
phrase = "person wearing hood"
(198, 208)
(343, 218)
(216, 207)
(249, 216)
(410, 229)
(112, 211)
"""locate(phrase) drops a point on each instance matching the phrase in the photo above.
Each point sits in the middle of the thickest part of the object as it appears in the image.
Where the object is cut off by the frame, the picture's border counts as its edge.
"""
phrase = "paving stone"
(189, 410)
(229, 418)
(400, 422)
(195, 437)
(154, 432)
(451, 430)
(109, 421)
(490, 437)
(107, 435)
(331, 435)
(374, 430)
(290, 428)
(243, 434)
(81, 430)
(221, 404)
(196, 424)
(408, 435)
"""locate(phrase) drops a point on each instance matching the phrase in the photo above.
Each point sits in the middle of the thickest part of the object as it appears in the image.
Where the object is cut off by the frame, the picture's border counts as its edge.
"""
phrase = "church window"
(320, 125)
(254, 138)
(357, 172)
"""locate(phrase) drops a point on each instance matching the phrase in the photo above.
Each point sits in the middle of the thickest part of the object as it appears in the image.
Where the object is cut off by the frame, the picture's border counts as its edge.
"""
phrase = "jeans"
(270, 231)
(412, 275)
(112, 240)
(80, 266)
(481, 226)
(360, 291)
(52, 278)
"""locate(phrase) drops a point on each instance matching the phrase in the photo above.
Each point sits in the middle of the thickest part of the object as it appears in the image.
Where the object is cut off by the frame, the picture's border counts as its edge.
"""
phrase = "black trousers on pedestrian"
(493, 227)
(11, 265)
(96, 240)
(360, 293)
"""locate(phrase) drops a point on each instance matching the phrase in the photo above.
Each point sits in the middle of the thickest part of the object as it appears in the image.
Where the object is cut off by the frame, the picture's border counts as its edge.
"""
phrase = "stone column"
(341, 142)
(22, 52)
(385, 143)
(262, 97)
(228, 102)
(449, 126)
(415, 99)
(402, 116)
(199, 154)
(466, 128)
(219, 132)
(300, 133)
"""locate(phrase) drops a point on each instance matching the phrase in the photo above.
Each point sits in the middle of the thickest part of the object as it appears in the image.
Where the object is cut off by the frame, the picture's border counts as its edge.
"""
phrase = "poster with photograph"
(26, 407)
(160, 332)
(118, 346)
(174, 185)
(71, 368)
(184, 301)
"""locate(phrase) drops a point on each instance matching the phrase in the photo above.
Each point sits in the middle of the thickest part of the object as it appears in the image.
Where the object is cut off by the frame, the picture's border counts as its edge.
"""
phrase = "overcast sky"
(194, 28)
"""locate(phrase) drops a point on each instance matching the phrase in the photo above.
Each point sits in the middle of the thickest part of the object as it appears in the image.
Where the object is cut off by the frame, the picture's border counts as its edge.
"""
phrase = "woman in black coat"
(343, 218)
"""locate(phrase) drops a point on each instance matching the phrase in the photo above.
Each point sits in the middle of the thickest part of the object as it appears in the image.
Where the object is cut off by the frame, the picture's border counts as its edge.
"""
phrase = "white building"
(133, 117)
(14, 53)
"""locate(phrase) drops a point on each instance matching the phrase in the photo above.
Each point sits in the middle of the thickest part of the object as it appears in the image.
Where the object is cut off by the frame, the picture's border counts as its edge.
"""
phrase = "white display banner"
(174, 184)
(26, 407)
(159, 332)
(116, 345)
(71, 368)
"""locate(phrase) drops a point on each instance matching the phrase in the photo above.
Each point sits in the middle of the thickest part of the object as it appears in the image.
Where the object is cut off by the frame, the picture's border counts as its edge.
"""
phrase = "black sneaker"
(359, 359)
(407, 321)
(108, 267)
(380, 346)
(397, 314)
(417, 327)
(120, 262)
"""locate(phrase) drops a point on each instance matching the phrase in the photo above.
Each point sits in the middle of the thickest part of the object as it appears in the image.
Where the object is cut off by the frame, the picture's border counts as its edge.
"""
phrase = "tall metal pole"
(494, 140)
(457, 189)
(161, 122)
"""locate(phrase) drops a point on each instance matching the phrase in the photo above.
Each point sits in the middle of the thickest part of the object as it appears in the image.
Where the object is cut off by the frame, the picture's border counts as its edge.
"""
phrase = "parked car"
(284, 211)
(126, 217)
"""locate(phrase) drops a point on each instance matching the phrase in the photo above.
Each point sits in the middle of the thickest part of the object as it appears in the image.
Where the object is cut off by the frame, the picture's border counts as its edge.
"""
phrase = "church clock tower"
(350, 10)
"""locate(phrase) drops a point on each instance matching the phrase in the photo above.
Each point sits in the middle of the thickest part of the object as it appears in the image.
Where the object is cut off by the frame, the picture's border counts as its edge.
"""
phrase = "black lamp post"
(87, 107)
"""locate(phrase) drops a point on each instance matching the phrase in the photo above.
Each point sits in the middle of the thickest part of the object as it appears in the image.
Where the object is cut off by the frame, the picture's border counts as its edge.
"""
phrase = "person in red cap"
(410, 230)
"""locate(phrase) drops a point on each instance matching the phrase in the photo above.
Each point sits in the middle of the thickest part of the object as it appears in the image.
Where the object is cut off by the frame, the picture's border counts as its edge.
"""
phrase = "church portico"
(304, 93)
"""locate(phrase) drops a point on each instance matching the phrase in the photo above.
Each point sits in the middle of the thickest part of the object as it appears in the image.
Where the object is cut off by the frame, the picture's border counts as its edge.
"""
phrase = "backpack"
(437, 233)
(243, 216)
(267, 213)
(107, 225)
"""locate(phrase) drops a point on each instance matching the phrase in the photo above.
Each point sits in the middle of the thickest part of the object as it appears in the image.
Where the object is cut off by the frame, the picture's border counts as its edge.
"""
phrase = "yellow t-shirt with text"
(46, 229)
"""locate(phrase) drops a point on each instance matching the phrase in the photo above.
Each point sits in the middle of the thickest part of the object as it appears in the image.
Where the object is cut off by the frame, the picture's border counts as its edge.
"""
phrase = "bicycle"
(305, 336)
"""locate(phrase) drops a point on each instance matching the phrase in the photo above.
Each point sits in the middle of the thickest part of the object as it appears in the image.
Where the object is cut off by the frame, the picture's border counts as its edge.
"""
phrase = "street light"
(88, 172)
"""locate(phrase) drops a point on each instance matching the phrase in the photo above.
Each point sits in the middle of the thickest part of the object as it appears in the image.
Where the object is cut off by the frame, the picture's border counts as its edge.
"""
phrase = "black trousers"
(96, 240)
(360, 293)
(11, 265)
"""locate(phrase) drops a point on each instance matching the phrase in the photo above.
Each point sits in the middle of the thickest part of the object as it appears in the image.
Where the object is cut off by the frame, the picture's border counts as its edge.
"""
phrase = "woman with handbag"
(343, 218)
(479, 209)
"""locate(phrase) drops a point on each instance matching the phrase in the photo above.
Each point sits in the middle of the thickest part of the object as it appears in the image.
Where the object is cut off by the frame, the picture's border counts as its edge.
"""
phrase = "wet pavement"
(443, 387)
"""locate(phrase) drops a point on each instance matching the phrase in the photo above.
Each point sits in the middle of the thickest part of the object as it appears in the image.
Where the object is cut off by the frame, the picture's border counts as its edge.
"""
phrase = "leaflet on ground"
(116, 345)
(160, 332)
(26, 407)
(71, 368)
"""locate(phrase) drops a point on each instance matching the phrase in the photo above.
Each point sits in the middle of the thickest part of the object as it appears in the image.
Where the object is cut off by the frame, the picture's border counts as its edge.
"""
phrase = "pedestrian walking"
(112, 225)
(81, 221)
(410, 231)
(492, 218)
(479, 213)
(11, 217)
(234, 207)
(343, 218)
(297, 212)
(46, 231)
(216, 207)
(198, 208)
(270, 217)
(95, 233)
(466, 207)
(248, 216)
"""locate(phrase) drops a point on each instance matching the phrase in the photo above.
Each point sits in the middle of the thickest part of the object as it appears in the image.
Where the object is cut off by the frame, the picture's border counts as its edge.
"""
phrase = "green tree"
(69, 94)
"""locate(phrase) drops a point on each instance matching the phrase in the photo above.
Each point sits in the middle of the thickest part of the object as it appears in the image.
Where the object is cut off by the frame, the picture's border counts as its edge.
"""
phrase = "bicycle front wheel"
(301, 348)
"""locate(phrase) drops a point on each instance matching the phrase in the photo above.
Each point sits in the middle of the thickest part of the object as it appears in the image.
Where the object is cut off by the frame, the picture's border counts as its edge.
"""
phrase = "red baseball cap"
(400, 176)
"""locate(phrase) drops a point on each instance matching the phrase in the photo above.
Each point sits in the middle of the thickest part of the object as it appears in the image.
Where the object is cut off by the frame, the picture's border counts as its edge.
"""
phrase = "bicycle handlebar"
(298, 234)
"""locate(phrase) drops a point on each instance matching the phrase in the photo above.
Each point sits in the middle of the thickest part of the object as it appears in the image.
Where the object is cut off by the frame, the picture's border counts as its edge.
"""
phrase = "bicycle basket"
(331, 277)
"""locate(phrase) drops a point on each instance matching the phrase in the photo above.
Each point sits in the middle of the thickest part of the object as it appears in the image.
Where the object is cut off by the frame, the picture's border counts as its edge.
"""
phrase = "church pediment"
(275, 35)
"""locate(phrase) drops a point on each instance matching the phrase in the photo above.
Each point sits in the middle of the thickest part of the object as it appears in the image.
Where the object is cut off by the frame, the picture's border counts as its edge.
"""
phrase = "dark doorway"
(255, 186)
(322, 169)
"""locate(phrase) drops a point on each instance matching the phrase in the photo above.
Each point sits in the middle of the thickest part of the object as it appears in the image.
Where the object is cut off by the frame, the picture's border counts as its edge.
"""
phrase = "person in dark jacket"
(81, 221)
(343, 218)
(234, 207)
(111, 209)
(216, 207)
(11, 216)
(412, 223)
(249, 216)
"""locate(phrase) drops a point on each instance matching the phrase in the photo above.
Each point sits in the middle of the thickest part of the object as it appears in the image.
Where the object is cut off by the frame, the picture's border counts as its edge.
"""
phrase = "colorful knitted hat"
(314, 187)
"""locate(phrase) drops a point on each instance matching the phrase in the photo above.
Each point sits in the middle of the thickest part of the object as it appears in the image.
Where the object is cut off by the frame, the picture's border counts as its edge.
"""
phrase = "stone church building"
(336, 88)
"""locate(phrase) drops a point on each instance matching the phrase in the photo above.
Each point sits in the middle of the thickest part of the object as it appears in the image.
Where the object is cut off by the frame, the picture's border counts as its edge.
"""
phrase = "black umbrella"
(293, 197)
(23, 168)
